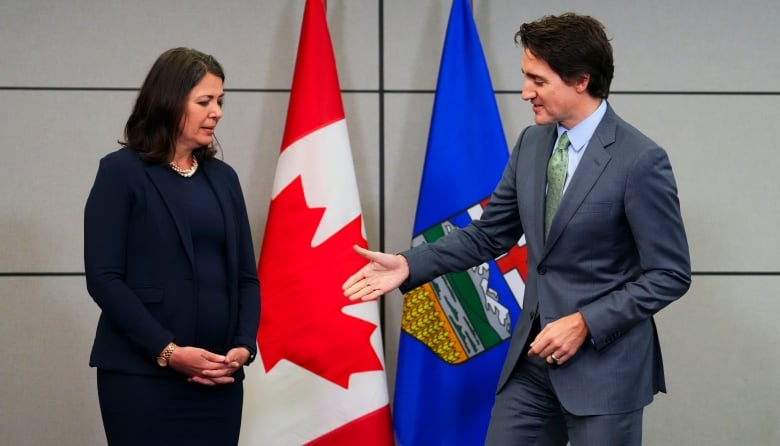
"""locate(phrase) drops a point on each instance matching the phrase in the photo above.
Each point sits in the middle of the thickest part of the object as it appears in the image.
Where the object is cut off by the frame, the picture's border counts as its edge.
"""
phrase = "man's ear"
(582, 82)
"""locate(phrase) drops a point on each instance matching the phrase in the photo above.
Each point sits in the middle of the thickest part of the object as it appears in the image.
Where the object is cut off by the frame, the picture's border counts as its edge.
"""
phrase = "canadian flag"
(319, 378)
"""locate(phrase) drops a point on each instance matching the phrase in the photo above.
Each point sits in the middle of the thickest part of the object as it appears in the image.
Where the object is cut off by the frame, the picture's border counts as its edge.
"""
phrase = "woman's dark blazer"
(140, 266)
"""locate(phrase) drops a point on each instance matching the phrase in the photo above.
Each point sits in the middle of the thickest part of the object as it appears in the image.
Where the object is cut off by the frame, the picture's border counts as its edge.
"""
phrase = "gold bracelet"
(162, 360)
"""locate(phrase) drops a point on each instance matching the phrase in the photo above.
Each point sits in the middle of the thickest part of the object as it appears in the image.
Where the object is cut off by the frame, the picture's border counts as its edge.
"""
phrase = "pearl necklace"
(185, 172)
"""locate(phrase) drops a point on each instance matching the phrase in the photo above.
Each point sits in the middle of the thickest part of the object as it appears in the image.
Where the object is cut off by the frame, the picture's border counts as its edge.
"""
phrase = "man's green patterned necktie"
(556, 178)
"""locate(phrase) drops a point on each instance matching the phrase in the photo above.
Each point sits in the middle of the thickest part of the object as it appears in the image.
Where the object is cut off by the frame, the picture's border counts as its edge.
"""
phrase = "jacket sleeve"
(498, 229)
(652, 209)
(107, 218)
(248, 284)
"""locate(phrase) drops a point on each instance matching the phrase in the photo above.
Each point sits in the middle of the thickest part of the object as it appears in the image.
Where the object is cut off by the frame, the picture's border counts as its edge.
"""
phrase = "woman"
(170, 261)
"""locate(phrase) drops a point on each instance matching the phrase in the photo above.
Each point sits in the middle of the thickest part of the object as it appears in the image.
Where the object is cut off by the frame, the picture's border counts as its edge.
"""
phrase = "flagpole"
(381, 175)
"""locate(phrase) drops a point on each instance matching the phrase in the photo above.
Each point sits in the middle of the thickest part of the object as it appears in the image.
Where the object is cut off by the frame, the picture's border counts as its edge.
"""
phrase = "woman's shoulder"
(124, 156)
(123, 165)
(220, 167)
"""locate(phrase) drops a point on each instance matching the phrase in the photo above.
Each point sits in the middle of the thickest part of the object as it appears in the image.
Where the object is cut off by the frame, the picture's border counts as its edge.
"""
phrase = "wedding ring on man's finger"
(554, 358)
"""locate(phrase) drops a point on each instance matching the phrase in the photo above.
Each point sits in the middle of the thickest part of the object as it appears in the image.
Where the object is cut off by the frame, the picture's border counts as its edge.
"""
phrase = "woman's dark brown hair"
(153, 126)
(572, 45)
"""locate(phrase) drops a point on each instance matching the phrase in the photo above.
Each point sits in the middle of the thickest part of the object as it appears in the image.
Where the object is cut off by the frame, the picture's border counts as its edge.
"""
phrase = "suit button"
(541, 270)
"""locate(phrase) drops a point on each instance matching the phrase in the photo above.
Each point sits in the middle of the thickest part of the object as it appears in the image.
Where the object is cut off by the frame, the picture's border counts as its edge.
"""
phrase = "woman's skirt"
(148, 410)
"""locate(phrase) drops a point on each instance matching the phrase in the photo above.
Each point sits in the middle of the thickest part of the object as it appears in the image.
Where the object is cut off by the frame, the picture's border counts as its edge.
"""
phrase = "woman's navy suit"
(141, 266)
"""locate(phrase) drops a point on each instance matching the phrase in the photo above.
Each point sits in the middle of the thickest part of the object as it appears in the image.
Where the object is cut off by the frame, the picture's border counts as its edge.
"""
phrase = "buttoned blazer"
(139, 263)
(616, 252)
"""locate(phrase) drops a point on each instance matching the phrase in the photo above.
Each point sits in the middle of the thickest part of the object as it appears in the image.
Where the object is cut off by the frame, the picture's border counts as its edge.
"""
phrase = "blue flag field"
(455, 329)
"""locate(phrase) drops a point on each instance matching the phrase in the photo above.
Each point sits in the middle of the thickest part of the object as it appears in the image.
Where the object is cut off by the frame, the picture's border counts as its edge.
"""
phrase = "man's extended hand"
(383, 273)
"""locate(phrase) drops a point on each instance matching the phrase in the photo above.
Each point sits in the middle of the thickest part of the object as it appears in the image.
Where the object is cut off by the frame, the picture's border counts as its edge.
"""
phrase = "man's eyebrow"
(533, 76)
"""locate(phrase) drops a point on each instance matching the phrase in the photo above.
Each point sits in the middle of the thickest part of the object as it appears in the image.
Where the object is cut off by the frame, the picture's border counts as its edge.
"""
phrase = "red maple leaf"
(302, 318)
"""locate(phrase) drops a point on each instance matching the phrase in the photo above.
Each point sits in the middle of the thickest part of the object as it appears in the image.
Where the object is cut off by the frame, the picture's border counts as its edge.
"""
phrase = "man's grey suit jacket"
(616, 252)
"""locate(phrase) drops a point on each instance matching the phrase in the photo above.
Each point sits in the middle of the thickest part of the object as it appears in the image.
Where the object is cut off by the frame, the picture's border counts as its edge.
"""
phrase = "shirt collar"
(580, 134)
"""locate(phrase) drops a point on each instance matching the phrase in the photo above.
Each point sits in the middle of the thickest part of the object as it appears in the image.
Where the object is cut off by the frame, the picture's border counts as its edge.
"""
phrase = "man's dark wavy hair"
(572, 45)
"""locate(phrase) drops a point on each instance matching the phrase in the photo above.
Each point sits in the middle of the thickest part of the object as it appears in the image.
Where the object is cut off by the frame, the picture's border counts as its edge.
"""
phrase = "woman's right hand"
(203, 366)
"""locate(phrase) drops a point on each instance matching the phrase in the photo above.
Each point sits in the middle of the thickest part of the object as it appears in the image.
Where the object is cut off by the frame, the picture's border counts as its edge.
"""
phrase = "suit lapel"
(221, 185)
(540, 186)
(592, 164)
(221, 190)
(166, 187)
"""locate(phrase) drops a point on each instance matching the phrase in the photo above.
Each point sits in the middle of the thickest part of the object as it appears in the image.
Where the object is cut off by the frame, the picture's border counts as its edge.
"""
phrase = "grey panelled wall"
(698, 76)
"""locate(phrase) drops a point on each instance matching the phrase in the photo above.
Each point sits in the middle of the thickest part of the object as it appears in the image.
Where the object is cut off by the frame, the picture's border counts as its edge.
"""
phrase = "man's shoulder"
(540, 131)
(533, 135)
(623, 133)
(627, 133)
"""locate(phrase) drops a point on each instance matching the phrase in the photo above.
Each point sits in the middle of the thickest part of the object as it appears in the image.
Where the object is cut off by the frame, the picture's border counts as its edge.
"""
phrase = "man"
(584, 358)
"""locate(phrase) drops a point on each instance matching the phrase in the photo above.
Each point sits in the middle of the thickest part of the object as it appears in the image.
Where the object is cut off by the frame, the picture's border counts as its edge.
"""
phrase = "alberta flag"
(319, 379)
(455, 329)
